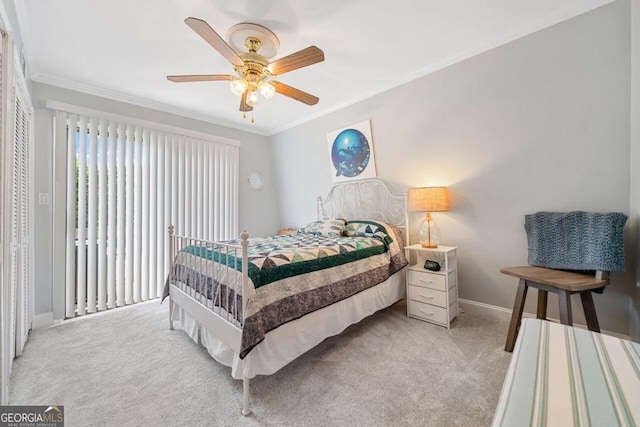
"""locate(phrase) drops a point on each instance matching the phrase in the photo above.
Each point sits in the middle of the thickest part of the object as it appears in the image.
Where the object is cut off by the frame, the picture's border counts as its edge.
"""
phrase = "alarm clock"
(431, 265)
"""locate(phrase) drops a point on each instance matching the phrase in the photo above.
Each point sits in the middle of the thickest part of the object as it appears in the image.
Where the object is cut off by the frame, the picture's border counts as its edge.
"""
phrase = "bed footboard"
(212, 273)
(210, 281)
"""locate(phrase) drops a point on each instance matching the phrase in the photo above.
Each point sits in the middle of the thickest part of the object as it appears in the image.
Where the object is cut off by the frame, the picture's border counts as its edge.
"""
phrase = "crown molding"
(139, 101)
(553, 19)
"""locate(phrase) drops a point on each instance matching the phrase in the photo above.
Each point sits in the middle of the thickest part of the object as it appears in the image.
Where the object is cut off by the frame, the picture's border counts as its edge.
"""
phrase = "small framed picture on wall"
(351, 152)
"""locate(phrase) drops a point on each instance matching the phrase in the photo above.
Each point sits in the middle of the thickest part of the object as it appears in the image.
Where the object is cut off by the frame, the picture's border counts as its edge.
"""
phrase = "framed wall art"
(351, 152)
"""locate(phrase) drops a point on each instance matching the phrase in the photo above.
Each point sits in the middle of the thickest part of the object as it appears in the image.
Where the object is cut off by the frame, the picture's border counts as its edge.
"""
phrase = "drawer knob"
(426, 281)
(426, 296)
(428, 313)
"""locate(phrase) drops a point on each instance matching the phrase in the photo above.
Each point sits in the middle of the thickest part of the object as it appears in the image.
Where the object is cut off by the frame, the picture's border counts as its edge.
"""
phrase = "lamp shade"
(428, 199)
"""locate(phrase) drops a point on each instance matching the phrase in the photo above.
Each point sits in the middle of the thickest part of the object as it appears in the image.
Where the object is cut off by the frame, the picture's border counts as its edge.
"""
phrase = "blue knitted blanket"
(576, 240)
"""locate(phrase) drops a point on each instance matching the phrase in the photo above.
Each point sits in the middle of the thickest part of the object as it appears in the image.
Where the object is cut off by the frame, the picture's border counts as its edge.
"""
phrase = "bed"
(256, 304)
(562, 376)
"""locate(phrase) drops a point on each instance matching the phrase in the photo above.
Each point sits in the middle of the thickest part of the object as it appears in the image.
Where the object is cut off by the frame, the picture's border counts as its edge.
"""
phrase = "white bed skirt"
(287, 342)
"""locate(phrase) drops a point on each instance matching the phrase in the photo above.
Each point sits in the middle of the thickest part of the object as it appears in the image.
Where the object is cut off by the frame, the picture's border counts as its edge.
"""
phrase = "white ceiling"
(124, 49)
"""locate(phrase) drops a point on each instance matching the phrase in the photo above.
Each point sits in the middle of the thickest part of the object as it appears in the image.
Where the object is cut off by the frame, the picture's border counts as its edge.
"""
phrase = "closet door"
(15, 213)
(21, 222)
(7, 325)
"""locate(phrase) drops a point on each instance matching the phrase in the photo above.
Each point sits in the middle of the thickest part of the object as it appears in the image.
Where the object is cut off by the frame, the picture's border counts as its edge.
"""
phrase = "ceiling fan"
(253, 70)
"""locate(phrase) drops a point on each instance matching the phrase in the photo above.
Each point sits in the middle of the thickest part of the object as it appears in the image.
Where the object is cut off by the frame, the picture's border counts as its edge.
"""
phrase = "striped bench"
(563, 376)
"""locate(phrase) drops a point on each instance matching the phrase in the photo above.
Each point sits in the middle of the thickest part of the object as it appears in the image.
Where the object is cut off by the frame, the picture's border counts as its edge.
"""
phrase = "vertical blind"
(126, 183)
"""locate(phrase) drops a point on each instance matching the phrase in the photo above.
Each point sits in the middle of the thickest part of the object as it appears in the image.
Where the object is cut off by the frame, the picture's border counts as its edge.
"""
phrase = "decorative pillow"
(367, 229)
(330, 227)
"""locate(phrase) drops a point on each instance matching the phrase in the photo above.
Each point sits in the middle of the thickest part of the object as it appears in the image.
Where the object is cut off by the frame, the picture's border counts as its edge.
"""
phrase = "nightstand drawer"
(426, 295)
(427, 280)
(428, 312)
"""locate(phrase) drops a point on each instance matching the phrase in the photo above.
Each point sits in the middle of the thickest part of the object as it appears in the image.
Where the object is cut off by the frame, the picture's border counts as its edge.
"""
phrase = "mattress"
(562, 376)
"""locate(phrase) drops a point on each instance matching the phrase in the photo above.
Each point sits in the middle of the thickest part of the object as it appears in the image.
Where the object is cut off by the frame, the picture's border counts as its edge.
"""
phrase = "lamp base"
(429, 233)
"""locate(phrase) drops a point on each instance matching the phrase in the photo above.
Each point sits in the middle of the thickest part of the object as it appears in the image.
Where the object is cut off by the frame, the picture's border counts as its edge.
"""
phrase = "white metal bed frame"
(365, 199)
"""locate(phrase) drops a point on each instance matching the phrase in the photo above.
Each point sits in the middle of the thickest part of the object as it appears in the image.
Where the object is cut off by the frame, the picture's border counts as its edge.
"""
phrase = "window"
(126, 183)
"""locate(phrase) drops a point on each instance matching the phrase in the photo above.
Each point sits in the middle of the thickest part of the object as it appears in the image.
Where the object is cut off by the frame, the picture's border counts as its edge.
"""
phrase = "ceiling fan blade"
(243, 103)
(199, 78)
(294, 93)
(210, 36)
(299, 59)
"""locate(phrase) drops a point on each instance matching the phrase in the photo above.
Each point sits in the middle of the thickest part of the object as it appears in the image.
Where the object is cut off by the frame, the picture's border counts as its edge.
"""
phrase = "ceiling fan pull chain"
(252, 117)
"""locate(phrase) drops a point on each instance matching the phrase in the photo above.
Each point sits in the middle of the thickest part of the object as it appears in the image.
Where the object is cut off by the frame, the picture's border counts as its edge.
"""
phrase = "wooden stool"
(563, 283)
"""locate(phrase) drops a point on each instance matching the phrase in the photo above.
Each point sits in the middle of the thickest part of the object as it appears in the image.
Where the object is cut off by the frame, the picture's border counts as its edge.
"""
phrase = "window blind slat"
(121, 212)
(235, 213)
(210, 192)
(102, 215)
(92, 217)
(167, 204)
(152, 214)
(193, 187)
(199, 187)
(145, 220)
(225, 189)
(175, 182)
(182, 200)
(81, 279)
(112, 203)
(70, 268)
(205, 191)
(218, 200)
(137, 215)
(161, 189)
(130, 254)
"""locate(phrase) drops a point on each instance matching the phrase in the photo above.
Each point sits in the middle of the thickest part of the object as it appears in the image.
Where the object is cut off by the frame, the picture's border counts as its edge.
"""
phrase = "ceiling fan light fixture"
(238, 86)
(267, 90)
(252, 98)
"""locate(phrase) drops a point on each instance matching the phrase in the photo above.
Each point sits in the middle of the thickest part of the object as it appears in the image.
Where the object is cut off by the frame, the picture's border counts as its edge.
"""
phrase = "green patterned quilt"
(278, 257)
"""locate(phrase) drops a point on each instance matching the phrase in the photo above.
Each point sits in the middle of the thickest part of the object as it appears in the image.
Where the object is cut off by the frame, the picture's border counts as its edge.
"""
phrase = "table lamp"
(428, 199)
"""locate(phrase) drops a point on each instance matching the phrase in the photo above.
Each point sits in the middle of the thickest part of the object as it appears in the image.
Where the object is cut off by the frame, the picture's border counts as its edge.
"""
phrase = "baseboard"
(502, 313)
(488, 310)
(43, 320)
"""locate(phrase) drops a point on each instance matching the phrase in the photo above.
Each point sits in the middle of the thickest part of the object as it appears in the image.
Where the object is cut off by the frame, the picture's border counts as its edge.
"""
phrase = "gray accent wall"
(258, 209)
(541, 123)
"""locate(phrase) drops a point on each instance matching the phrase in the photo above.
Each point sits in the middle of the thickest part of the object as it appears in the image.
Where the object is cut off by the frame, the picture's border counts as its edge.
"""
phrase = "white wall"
(541, 123)
(258, 209)
(635, 159)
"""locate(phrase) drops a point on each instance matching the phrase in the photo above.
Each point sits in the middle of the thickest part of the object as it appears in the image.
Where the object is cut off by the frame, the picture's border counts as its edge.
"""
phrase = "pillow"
(330, 227)
(367, 229)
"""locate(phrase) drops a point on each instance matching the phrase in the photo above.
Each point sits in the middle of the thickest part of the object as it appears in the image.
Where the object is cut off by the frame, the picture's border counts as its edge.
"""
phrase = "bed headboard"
(365, 199)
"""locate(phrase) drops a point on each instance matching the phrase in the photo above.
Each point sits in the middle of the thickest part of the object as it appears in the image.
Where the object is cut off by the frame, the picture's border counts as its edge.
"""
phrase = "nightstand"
(432, 296)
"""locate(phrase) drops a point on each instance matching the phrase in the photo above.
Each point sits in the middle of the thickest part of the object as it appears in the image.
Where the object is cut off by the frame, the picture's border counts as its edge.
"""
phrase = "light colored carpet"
(126, 368)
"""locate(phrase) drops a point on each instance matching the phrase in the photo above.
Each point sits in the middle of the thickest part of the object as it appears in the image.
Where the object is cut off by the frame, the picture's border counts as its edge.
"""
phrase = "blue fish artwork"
(350, 153)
